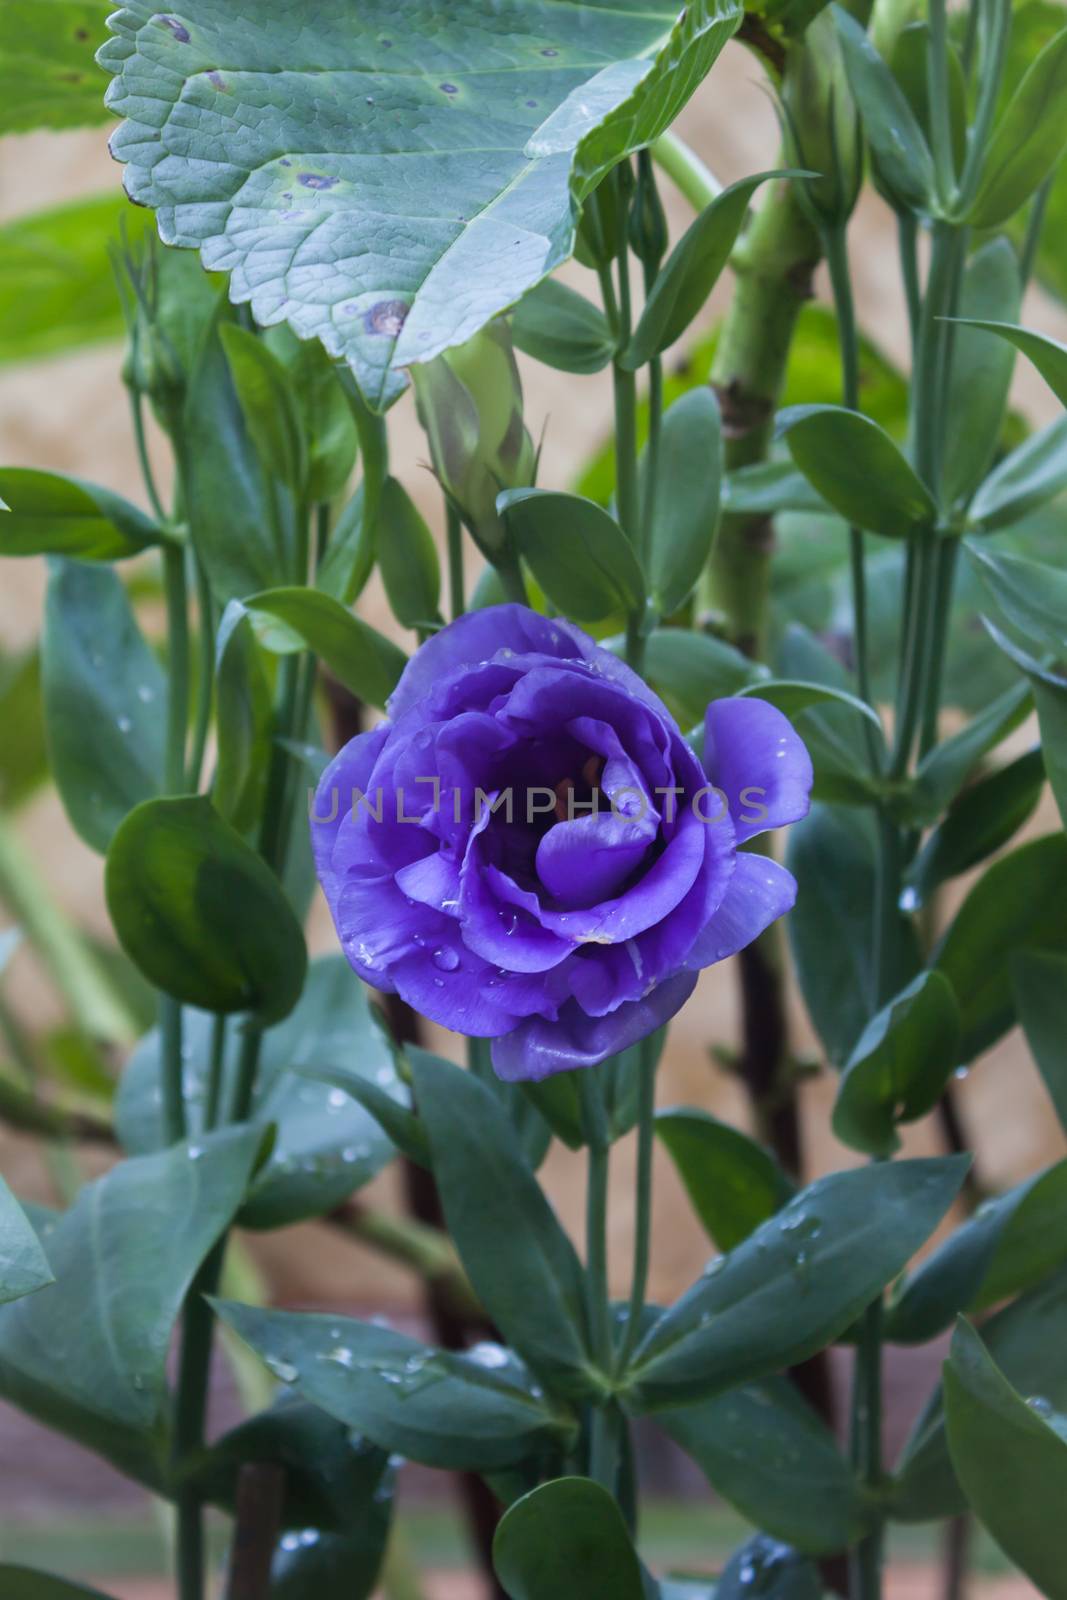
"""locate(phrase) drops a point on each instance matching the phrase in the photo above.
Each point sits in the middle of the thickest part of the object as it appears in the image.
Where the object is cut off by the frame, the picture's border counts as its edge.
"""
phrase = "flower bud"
(647, 220)
(822, 126)
(470, 404)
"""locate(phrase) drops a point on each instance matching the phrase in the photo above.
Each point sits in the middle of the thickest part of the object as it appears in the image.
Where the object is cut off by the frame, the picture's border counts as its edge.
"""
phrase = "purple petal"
(537, 1048)
(759, 892)
(755, 756)
(350, 769)
(477, 637)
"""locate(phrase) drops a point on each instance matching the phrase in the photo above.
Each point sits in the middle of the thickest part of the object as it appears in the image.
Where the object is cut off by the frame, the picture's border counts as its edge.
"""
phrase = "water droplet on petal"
(445, 958)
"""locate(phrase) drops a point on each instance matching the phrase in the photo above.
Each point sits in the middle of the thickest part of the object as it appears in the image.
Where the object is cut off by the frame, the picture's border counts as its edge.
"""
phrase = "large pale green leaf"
(23, 1267)
(47, 75)
(88, 1354)
(326, 1145)
(384, 186)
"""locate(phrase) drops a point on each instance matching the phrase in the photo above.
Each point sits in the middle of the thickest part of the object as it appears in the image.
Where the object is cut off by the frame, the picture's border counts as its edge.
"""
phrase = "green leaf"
(1050, 702)
(476, 1411)
(690, 669)
(329, 1476)
(556, 325)
(1031, 475)
(767, 487)
(1026, 1341)
(1017, 905)
(566, 1540)
(1028, 139)
(1031, 594)
(792, 698)
(466, 234)
(841, 453)
(23, 1266)
(407, 558)
(267, 405)
(201, 914)
(391, 1112)
(88, 1355)
(942, 772)
(690, 272)
(326, 1145)
(981, 368)
(104, 694)
(900, 1066)
(361, 658)
(349, 559)
(686, 510)
(832, 853)
(908, 63)
(325, 414)
(734, 1183)
(815, 690)
(57, 283)
(1010, 1244)
(796, 1284)
(773, 1569)
(48, 78)
(22, 1583)
(244, 720)
(1011, 1458)
(768, 1453)
(49, 515)
(521, 1263)
(901, 152)
(242, 531)
(981, 820)
(1038, 982)
(1047, 355)
(577, 552)
(314, 1562)
(532, 1128)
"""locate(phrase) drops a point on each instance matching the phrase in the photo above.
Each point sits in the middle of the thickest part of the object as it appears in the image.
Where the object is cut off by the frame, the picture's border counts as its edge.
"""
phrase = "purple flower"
(529, 851)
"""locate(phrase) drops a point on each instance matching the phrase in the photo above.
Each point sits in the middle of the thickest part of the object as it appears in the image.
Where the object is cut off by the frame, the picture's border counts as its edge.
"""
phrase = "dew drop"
(445, 958)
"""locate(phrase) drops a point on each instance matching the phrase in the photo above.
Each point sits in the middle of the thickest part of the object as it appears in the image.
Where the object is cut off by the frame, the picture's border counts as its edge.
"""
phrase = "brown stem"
(258, 1513)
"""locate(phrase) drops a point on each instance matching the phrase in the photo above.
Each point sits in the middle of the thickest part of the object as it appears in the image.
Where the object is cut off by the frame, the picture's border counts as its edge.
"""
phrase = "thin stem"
(991, 71)
(907, 239)
(643, 1216)
(599, 1309)
(944, 578)
(137, 413)
(213, 1093)
(457, 602)
(939, 101)
(866, 1562)
(655, 431)
(686, 171)
(205, 606)
(170, 1033)
(190, 1408)
(836, 247)
(1035, 224)
(177, 666)
(244, 1083)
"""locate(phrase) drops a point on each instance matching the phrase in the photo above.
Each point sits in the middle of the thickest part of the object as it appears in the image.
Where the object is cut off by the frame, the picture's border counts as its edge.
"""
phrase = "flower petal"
(759, 892)
(538, 1048)
(477, 637)
(755, 756)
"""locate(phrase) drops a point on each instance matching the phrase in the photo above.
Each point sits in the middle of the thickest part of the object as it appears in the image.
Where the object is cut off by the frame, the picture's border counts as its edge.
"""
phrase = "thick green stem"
(866, 1558)
(774, 265)
(685, 169)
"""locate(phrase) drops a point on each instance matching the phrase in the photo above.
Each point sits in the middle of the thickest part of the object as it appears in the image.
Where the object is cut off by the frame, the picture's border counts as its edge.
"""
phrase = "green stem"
(686, 171)
(907, 239)
(944, 577)
(190, 1410)
(866, 1559)
(216, 1066)
(137, 413)
(205, 606)
(457, 602)
(244, 1083)
(643, 1195)
(599, 1306)
(994, 54)
(177, 667)
(1035, 224)
(939, 100)
(837, 259)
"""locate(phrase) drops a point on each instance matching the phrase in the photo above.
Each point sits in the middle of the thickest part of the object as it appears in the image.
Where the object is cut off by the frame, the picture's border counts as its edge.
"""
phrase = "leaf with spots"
(48, 78)
(389, 187)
